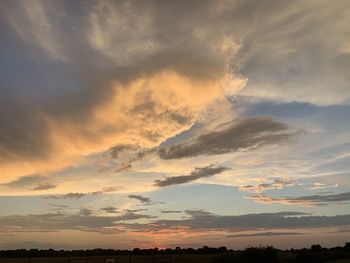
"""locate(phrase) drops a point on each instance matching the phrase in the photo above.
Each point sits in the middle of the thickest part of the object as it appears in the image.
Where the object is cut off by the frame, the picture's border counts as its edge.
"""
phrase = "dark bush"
(256, 255)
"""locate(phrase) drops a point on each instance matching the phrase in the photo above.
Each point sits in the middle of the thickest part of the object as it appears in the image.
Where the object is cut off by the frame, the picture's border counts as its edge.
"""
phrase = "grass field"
(314, 254)
(117, 259)
(131, 259)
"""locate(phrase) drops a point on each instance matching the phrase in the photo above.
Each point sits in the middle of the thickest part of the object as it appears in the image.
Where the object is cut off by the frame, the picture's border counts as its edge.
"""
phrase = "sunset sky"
(174, 123)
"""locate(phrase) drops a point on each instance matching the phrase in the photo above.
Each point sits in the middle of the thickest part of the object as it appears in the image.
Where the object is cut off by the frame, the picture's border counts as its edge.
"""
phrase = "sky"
(174, 123)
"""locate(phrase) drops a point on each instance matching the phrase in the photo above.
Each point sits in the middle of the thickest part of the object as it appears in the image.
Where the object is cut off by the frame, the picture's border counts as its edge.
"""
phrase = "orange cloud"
(144, 112)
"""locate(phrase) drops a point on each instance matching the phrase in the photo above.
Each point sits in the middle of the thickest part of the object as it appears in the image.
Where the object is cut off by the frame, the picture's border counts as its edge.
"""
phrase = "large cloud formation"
(52, 222)
(197, 220)
(102, 73)
(78, 78)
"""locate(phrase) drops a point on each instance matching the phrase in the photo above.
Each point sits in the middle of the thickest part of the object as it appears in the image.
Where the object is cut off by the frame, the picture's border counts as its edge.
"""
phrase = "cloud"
(58, 208)
(142, 199)
(128, 154)
(310, 200)
(86, 212)
(264, 234)
(78, 195)
(133, 216)
(109, 189)
(67, 196)
(278, 183)
(294, 51)
(131, 74)
(28, 181)
(239, 135)
(320, 186)
(201, 222)
(109, 209)
(136, 210)
(199, 172)
(199, 219)
(171, 211)
(33, 244)
(44, 187)
(51, 222)
(117, 77)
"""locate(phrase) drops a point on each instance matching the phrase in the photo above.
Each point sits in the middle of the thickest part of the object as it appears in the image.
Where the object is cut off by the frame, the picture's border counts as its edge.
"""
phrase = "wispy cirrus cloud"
(47, 186)
(28, 181)
(110, 209)
(86, 211)
(265, 234)
(278, 183)
(71, 195)
(310, 200)
(78, 195)
(53, 222)
(171, 211)
(142, 199)
(197, 173)
(322, 186)
(136, 210)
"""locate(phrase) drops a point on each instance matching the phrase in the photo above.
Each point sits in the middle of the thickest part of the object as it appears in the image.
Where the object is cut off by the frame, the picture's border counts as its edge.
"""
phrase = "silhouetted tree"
(269, 254)
(316, 248)
(256, 255)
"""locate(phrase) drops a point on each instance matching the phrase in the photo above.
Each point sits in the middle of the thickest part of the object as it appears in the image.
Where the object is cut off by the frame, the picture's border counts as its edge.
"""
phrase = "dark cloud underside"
(142, 199)
(29, 181)
(239, 135)
(203, 220)
(305, 200)
(196, 174)
(44, 187)
(84, 221)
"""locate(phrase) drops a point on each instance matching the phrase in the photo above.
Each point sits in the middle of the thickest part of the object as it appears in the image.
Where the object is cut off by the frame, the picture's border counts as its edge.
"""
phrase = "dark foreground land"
(315, 254)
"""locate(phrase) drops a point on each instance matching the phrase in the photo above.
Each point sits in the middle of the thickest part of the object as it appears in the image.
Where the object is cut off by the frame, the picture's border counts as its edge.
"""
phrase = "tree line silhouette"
(314, 254)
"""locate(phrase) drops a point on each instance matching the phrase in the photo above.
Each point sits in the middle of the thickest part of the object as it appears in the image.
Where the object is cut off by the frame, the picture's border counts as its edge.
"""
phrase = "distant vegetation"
(314, 254)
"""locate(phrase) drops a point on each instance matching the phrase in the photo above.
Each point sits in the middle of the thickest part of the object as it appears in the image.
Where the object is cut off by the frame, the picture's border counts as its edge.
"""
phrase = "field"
(117, 259)
(131, 259)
